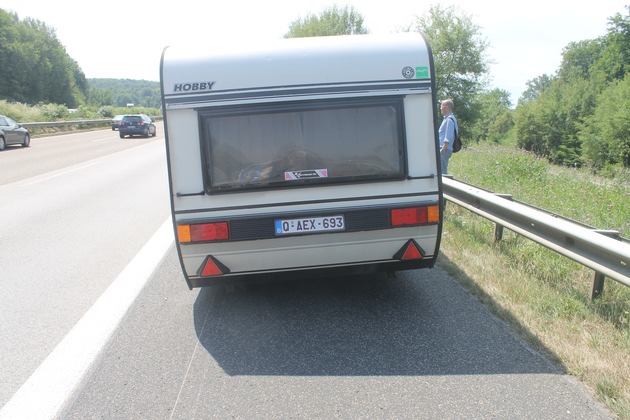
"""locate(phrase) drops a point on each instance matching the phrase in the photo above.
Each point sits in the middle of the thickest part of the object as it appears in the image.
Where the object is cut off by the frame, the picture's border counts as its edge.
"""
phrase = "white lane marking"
(46, 391)
(106, 138)
(67, 171)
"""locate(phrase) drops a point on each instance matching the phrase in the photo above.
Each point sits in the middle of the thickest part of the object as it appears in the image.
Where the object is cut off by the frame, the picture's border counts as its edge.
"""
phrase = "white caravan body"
(305, 156)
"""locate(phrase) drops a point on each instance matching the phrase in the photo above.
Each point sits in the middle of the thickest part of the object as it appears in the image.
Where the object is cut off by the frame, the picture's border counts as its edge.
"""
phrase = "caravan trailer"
(302, 157)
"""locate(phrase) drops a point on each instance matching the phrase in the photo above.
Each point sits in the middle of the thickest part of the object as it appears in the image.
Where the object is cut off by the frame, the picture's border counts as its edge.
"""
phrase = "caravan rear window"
(282, 146)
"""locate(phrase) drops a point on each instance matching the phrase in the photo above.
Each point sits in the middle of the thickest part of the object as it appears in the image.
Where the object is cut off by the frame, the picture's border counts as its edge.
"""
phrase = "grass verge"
(543, 295)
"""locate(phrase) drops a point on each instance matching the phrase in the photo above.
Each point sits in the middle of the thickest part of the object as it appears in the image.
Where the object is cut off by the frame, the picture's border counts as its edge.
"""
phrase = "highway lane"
(51, 153)
(79, 209)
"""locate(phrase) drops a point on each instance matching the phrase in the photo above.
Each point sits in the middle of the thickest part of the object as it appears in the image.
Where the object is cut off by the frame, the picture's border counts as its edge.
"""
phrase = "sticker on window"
(306, 174)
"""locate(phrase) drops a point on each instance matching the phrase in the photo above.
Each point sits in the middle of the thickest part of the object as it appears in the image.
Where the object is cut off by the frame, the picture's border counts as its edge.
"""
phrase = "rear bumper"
(133, 131)
(303, 274)
(310, 257)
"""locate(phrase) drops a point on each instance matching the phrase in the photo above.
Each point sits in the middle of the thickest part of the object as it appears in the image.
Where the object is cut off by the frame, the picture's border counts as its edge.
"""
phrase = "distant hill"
(121, 92)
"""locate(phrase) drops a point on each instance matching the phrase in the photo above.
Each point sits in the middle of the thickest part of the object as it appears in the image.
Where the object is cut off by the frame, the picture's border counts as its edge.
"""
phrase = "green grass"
(543, 295)
(574, 193)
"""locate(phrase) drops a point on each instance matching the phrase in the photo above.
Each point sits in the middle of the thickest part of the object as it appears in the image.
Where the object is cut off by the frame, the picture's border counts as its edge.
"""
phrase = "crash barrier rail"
(604, 251)
(71, 123)
(65, 123)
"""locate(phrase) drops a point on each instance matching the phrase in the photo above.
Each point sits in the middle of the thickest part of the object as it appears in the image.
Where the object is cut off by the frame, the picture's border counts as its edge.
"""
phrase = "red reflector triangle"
(411, 253)
(210, 269)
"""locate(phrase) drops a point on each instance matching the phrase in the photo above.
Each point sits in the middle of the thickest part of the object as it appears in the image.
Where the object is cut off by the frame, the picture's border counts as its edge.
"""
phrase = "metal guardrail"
(607, 253)
(65, 123)
(70, 123)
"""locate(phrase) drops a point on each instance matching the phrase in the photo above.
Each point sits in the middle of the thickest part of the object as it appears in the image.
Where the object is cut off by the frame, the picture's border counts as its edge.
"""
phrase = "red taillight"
(412, 216)
(409, 216)
(203, 232)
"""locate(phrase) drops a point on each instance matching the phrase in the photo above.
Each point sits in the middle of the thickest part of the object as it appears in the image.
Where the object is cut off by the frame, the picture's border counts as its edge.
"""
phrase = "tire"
(146, 133)
(3, 143)
(154, 133)
(122, 136)
(27, 140)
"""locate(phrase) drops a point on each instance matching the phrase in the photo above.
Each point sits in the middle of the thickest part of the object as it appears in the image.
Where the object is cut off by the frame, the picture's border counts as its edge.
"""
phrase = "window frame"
(205, 114)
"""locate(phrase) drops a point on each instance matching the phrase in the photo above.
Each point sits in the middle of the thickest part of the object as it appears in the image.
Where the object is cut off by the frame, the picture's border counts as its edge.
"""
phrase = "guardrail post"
(449, 176)
(598, 286)
(598, 278)
(498, 232)
(498, 229)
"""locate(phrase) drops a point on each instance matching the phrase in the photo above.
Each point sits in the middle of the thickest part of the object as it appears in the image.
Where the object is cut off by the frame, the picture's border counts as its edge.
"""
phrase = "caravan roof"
(296, 63)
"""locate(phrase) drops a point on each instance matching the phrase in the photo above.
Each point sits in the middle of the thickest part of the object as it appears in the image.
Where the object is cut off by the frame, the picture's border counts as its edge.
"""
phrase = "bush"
(52, 112)
(85, 113)
(107, 111)
(606, 134)
(18, 111)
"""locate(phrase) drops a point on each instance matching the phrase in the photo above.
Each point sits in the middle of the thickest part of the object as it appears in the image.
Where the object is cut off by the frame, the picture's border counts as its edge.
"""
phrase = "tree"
(332, 21)
(100, 97)
(530, 122)
(606, 133)
(459, 54)
(494, 119)
(614, 62)
(549, 125)
(35, 65)
(580, 57)
(567, 118)
(535, 88)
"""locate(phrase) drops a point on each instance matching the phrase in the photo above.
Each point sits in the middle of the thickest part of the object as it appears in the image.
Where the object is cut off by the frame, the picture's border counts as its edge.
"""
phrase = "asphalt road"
(415, 346)
(418, 346)
(75, 209)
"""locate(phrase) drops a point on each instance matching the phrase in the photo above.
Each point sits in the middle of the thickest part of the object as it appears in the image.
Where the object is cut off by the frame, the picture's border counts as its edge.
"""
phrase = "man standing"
(447, 133)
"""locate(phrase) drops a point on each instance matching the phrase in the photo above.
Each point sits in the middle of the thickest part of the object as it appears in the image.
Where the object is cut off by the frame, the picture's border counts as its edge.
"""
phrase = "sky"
(125, 39)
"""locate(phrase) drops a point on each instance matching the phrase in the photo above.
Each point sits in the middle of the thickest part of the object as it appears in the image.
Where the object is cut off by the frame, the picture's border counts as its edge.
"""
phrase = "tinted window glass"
(285, 146)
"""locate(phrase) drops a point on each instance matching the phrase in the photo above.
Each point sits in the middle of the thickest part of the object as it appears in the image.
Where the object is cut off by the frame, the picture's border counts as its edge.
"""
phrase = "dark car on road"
(136, 125)
(12, 133)
(116, 121)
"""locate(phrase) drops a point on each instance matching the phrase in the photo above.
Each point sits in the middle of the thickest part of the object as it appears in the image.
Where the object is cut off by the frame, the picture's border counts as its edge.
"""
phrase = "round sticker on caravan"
(408, 72)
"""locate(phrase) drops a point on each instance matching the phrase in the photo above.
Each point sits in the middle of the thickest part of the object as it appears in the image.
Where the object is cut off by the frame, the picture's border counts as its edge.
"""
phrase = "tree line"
(37, 69)
(35, 66)
(578, 116)
(121, 92)
(581, 114)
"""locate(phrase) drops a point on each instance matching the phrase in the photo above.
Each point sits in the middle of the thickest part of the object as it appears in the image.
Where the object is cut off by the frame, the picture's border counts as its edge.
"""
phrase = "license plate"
(310, 225)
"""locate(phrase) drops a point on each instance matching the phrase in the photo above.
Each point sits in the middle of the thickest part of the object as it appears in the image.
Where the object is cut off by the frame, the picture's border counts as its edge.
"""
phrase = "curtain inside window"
(314, 144)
